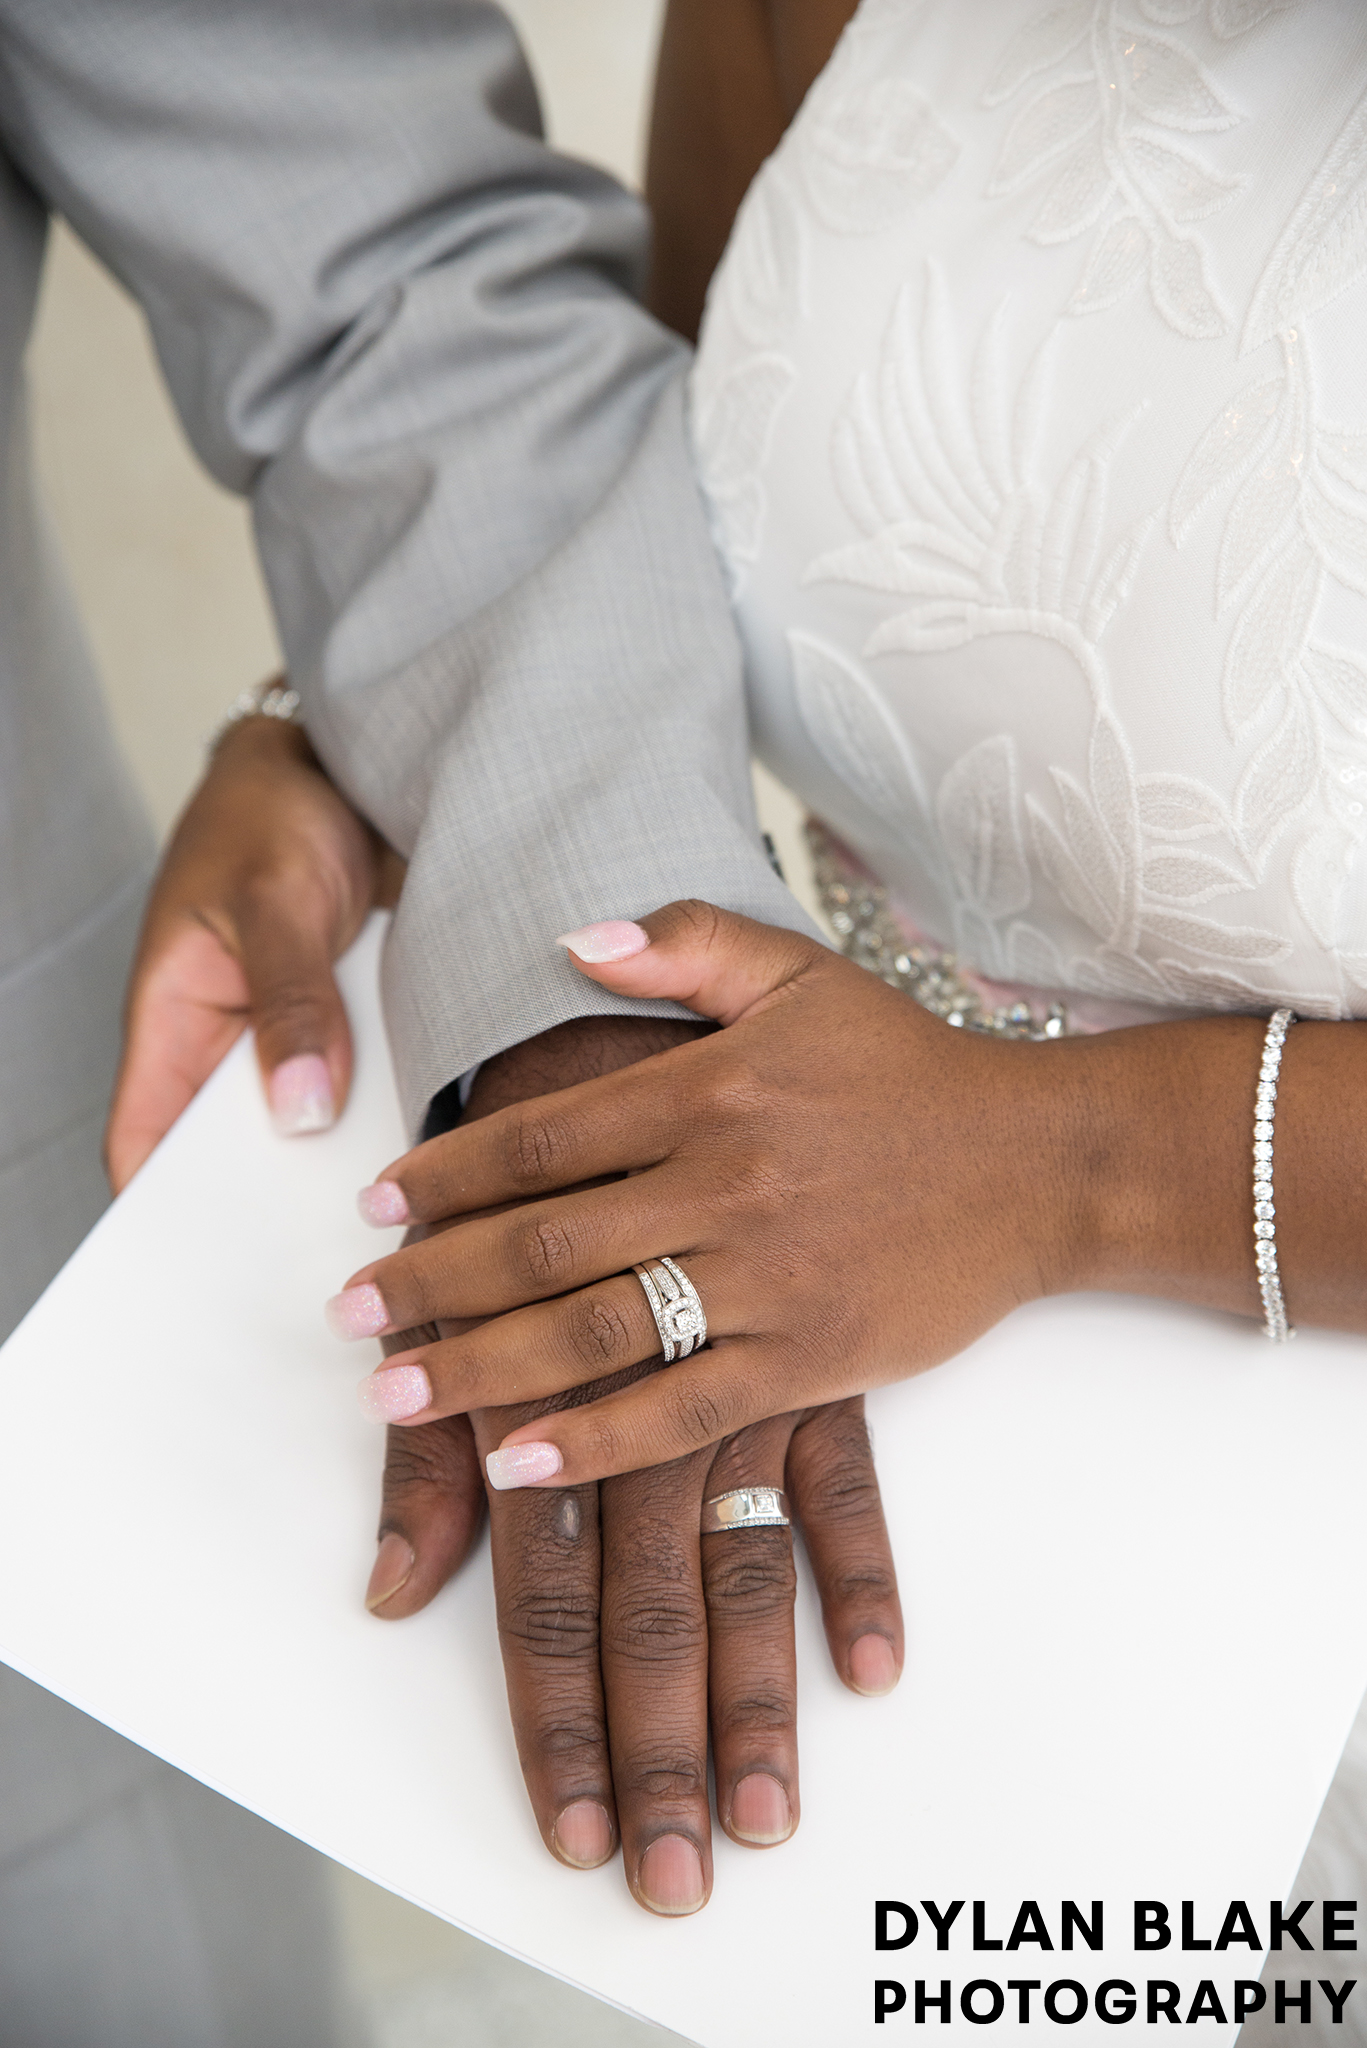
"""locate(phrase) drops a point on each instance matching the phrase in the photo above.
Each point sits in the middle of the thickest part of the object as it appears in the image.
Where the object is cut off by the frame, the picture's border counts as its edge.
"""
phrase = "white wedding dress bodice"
(1031, 409)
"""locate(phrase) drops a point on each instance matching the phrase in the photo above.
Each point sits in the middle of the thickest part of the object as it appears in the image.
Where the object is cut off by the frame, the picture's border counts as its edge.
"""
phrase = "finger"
(749, 1583)
(714, 962)
(613, 1124)
(432, 1510)
(547, 1586)
(303, 1039)
(532, 1353)
(187, 1005)
(528, 1253)
(654, 1655)
(833, 1487)
(734, 1383)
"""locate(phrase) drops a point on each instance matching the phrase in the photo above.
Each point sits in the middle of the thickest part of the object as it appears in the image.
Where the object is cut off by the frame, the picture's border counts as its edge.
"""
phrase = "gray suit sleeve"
(407, 329)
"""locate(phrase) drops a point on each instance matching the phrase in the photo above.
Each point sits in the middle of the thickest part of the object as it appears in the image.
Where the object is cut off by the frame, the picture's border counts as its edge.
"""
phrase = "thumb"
(711, 960)
(303, 1040)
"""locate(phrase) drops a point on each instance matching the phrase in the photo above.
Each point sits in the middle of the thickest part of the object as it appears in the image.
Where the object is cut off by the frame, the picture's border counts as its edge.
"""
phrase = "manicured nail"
(358, 1312)
(615, 940)
(383, 1204)
(873, 1668)
(393, 1568)
(300, 1092)
(583, 1835)
(395, 1392)
(671, 1876)
(760, 1812)
(522, 1465)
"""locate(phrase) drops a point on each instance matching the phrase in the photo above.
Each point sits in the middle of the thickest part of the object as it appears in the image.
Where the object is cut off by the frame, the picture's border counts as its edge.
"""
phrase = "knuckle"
(657, 1631)
(753, 1581)
(534, 1146)
(292, 1006)
(568, 1739)
(542, 1626)
(863, 1587)
(699, 922)
(422, 1461)
(543, 1251)
(760, 1711)
(698, 1411)
(662, 1778)
(843, 1490)
(596, 1330)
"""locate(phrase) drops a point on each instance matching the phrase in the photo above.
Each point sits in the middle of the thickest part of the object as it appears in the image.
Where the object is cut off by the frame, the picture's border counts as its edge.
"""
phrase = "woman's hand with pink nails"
(267, 879)
(855, 1189)
(836, 1227)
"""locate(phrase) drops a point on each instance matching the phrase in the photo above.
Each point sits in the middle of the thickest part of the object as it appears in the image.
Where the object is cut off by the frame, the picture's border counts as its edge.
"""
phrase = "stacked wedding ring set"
(682, 1325)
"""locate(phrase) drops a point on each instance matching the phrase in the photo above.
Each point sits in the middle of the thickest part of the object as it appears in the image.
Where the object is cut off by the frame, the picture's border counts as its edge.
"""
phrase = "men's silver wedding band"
(748, 1507)
(679, 1315)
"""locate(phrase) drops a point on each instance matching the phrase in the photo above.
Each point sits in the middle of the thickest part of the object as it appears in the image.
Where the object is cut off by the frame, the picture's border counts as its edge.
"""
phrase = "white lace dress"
(1031, 407)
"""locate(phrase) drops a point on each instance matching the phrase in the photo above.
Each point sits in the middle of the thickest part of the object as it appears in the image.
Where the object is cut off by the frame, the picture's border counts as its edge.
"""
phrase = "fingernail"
(671, 1876)
(614, 940)
(394, 1393)
(522, 1465)
(300, 1092)
(358, 1312)
(383, 1204)
(393, 1568)
(760, 1812)
(873, 1668)
(583, 1835)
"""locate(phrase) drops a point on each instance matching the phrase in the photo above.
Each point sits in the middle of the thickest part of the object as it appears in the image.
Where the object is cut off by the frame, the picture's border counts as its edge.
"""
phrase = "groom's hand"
(624, 1632)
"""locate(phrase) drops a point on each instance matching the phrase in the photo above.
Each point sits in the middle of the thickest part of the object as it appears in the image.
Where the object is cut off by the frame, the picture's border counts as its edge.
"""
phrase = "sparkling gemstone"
(1262, 1132)
(1263, 1211)
(956, 1018)
(842, 921)
(1262, 1191)
(1264, 1230)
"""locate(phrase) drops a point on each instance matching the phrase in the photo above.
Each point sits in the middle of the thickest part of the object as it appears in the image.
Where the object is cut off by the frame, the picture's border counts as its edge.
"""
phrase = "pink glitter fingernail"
(383, 1204)
(395, 1392)
(300, 1093)
(522, 1465)
(357, 1312)
(596, 944)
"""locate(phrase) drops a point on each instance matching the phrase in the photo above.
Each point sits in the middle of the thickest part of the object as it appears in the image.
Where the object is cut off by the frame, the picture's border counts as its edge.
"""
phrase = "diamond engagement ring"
(674, 1303)
(748, 1507)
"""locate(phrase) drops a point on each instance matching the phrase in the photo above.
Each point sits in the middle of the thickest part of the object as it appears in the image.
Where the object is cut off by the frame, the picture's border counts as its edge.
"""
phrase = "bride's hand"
(855, 1189)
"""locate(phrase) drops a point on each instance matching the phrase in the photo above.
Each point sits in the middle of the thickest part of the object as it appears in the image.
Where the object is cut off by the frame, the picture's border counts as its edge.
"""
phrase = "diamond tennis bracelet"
(1264, 1209)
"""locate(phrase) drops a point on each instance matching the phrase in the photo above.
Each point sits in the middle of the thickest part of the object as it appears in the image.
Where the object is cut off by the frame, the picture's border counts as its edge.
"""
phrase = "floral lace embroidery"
(1105, 132)
(957, 525)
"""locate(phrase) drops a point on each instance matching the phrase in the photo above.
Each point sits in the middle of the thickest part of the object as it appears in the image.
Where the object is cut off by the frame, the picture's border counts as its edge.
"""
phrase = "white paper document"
(1129, 1540)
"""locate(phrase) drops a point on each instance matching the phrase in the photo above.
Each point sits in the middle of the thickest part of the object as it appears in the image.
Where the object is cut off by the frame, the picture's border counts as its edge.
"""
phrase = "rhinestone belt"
(870, 936)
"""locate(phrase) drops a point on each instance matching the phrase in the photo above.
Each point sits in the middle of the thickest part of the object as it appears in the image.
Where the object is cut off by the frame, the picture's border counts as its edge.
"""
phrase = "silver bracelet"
(1264, 1209)
(263, 700)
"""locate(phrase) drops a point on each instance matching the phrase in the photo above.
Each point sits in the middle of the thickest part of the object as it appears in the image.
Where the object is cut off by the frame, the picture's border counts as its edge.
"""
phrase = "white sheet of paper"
(1130, 1549)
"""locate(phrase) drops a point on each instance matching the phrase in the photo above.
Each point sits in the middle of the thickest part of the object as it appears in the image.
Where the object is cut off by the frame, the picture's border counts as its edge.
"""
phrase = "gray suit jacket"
(388, 313)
